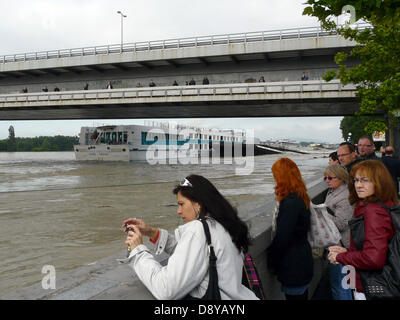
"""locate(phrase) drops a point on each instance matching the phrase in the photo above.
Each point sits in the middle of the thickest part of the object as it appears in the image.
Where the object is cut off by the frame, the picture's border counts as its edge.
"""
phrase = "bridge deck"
(273, 99)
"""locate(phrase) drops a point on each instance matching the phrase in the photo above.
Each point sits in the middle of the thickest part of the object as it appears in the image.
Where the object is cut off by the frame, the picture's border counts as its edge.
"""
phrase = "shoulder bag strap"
(213, 257)
(213, 289)
(206, 231)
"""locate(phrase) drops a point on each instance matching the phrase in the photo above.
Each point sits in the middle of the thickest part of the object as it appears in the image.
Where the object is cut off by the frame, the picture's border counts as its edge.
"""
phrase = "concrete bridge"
(278, 55)
(271, 99)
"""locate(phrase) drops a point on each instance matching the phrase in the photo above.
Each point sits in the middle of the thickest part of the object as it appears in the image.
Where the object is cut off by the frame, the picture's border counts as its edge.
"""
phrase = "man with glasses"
(347, 156)
(366, 148)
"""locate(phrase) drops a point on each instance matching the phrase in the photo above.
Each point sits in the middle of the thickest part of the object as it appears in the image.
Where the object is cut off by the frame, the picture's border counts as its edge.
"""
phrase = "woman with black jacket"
(289, 255)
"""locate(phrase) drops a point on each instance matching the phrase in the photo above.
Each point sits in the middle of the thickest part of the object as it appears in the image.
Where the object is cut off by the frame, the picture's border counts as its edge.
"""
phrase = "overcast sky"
(37, 25)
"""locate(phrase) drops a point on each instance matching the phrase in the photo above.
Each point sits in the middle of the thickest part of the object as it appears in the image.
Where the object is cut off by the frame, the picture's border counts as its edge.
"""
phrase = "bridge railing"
(292, 33)
(182, 91)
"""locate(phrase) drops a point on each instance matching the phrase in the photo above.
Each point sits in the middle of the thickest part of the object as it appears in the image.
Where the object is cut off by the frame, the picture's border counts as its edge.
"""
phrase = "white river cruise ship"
(153, 141)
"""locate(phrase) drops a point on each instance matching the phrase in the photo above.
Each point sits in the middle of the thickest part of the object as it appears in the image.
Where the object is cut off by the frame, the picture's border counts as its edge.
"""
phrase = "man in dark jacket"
(392, 164)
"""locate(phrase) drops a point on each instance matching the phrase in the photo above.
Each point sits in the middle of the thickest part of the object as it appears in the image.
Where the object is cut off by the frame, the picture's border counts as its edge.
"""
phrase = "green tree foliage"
(57, 143)
(355, 127)
(377, 76)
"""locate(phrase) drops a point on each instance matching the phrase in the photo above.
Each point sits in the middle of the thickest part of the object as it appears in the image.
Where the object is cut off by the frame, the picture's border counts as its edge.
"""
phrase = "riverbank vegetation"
(56, 143)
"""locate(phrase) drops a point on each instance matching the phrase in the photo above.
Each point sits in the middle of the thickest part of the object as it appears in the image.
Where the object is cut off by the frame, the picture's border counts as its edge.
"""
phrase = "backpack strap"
(384, 206)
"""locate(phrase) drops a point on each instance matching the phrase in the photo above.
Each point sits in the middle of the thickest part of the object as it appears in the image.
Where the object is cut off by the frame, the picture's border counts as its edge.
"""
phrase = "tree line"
(56, 143)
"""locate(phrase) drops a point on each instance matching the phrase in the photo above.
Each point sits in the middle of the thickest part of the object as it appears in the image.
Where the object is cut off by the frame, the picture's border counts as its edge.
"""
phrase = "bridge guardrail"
(292, 33)
(173, 91)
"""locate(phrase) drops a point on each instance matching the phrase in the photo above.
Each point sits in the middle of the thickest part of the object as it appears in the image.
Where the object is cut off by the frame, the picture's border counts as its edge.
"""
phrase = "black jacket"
(350, 165)
(289, 255)
(371, 156)
(393, 165)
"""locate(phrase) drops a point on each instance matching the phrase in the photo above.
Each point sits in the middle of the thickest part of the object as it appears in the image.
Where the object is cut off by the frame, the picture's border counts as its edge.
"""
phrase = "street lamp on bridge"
(122, 28)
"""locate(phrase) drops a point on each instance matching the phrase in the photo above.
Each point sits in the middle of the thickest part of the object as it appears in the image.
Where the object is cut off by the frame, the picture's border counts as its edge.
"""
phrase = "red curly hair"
(288, 180)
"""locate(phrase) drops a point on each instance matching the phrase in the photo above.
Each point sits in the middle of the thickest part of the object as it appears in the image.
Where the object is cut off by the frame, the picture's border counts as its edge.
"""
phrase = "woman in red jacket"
(370, 183)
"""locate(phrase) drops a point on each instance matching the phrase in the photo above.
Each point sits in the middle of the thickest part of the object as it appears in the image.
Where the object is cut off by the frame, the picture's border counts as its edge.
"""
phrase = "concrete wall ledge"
(106, 279)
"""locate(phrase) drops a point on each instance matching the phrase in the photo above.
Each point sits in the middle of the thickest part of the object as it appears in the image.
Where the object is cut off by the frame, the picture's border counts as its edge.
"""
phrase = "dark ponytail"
(213, 204)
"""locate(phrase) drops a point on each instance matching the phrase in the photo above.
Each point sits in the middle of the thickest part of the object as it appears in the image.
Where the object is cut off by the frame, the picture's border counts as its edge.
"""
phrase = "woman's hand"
(141, 225)
(337, 249)
(134, 238)
(333, 252)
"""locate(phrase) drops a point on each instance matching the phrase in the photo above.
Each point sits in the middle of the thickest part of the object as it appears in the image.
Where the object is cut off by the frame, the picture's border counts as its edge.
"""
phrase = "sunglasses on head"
(186, 183)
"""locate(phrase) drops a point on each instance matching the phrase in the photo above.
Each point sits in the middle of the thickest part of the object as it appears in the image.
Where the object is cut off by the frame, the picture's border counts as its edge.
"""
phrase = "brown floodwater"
(57, 211)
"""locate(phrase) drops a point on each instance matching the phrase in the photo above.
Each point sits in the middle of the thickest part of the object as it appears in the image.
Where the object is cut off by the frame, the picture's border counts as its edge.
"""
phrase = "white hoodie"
(187, 268)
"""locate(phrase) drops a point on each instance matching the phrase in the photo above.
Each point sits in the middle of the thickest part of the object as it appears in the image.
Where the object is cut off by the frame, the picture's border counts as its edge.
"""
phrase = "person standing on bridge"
(205, 80)
(86, 87)
(192, 82)
(304, 76)
(187, 271)
(109, 85)
(289, 255)
(151, 83)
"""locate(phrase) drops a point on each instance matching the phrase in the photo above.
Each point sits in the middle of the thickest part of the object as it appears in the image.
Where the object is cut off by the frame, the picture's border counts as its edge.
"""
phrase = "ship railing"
(232, 38)
(169, 92)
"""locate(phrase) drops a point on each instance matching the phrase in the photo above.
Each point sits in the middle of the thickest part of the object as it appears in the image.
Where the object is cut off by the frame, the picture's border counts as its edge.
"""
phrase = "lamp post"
(122, 28)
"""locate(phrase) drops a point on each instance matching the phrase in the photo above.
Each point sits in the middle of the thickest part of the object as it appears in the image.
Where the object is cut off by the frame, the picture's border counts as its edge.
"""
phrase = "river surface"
(61, 212)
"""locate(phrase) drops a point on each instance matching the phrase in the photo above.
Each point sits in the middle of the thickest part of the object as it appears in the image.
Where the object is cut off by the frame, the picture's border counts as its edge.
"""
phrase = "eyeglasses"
(343, 154)
(361, 180)
(186, 183)
(329, 178)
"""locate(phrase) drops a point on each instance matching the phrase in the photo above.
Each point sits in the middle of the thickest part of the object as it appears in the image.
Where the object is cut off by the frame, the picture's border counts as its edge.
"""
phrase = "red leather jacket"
(379, 230)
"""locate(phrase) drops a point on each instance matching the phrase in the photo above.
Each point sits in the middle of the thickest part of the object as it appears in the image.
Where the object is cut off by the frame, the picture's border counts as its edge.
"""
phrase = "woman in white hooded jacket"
(187, 270)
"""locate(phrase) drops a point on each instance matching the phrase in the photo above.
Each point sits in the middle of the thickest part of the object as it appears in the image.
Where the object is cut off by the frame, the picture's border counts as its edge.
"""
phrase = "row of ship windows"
(152, 135)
